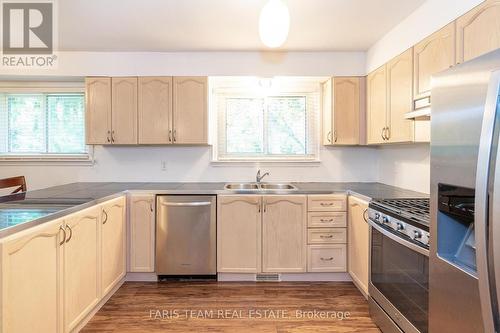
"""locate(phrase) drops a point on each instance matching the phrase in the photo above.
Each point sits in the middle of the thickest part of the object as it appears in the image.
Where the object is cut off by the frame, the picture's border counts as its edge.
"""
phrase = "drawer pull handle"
(325, 220)
(323, 236)
(327, 259)
(326, 203)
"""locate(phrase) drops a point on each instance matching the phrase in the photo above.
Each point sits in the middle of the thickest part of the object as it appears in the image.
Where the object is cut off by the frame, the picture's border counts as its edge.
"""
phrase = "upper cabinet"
(399, 98)
(343, 104)
(432, 55)
(376, 105)
(478, 31)
(147, 110)
(190, 110)
(155, 110)
(98, 110)
(124, 110)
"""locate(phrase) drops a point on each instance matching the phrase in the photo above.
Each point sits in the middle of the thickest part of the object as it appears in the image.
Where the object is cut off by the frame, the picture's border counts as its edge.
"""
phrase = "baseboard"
(99, 305)
(141, 277)
(305, 277)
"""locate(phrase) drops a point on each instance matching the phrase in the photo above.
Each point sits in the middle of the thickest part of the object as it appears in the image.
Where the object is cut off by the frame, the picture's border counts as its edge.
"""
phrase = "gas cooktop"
(416, 210)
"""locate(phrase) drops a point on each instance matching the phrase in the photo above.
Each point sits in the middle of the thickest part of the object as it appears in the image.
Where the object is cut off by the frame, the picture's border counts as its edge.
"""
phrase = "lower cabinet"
(284, 233)
(142, 233)
(239, 231)
(32, 280)
(81, 266)
(358, 243)
(113, 266)
(53, 275)
(326, 258)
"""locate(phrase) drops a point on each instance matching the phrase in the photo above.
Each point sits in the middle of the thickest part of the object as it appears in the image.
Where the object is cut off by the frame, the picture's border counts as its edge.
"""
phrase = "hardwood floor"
(234, 307)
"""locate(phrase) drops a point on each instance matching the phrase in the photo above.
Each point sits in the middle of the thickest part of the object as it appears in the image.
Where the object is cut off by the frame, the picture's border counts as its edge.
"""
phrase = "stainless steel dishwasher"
(186, 235)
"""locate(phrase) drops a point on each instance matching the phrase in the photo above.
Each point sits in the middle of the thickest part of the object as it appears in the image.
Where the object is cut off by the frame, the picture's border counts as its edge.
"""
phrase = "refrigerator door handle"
(481, 206)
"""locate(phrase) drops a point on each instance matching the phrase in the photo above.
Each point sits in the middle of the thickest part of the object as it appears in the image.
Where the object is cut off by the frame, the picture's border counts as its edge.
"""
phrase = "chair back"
(18, 182)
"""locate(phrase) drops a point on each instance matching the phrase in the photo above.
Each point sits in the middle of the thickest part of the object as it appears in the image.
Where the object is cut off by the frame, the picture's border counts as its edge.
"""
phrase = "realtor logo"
(27, 28)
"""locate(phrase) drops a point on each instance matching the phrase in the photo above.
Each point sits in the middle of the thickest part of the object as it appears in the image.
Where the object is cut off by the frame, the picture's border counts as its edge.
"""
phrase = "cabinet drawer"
(326, 220)
(326, 236)
(326, 258)
(326, 203)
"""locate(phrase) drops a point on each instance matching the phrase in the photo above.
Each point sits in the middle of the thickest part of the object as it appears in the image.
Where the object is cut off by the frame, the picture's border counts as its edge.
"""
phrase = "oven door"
(399, 279)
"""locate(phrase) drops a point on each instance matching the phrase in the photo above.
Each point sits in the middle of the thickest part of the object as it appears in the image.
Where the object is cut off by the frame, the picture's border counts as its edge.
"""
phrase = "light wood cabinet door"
(432, 55)
(358, 243)
(400, 98)
(32, 280)
(155, 110)
(376, 105)
(284, 234)
(478, 31)
(190, 110)
(327, 113)
(81, 266)
(142, 233)
(239, 239)
(124, 110)
(346, 110)
(98, 110)
(113, 243)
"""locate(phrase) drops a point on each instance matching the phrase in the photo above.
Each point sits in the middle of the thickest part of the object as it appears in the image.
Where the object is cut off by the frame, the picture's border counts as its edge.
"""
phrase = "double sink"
(260, 187)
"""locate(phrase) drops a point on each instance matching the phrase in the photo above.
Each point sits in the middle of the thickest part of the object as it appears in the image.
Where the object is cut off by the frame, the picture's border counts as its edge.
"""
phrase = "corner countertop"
(25, 210)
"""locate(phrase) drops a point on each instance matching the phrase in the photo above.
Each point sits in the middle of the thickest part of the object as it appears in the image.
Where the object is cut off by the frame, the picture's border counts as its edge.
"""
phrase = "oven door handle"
(399, 240)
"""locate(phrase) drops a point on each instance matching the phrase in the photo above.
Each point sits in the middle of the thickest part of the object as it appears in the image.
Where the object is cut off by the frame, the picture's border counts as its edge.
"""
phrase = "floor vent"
(267, 278)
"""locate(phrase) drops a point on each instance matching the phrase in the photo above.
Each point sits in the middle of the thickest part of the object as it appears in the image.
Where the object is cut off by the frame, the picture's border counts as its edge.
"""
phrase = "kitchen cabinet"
(326, 203)
(326, 258)
(239, 233)
(32, 280)
(190, 110)
(376, 105)
(343, 103)
(432, 55)
(81, 266)
(124, 110)
(98, 110)
(142, 233)
(477, 31)
(284, 233)
(155, 110)
(358, 243)
(400, 98)
(113, 243)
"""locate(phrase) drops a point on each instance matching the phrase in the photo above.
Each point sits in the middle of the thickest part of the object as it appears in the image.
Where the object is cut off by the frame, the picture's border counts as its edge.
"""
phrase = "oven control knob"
(417, 234)
(377, 216)
(400, 226)
(385, 220)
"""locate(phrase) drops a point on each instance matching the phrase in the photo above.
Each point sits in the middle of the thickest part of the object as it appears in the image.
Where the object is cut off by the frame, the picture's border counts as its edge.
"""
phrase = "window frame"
(219, 152)
(46, 88)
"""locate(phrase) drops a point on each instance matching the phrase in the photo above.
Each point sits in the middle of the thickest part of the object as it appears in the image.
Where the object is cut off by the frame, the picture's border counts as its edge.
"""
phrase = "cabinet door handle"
(323, 236)
(108, 136)
(151, 206)
(365, 217)
(64, 235)
(383, 134)
(334, 136)
(329, 136)
(105, 217)
(326, 259)
(169, 135)
(70, 233)
(174, 135)
(112, 136)
(265, 205)
(388, 133)
(258, 207)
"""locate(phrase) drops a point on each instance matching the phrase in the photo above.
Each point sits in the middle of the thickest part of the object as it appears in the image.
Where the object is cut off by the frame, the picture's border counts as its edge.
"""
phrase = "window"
(277, 127)
(42, 124)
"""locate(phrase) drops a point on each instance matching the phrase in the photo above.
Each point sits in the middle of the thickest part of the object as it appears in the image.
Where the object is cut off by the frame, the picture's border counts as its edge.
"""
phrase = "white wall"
(428, 18)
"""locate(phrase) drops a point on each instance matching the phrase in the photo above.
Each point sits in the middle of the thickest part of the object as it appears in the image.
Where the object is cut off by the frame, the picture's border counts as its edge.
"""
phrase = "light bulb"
(274, 23)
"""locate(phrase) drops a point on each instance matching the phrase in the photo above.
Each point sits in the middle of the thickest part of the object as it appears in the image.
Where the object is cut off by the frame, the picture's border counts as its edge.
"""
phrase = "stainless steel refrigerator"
(464, 280)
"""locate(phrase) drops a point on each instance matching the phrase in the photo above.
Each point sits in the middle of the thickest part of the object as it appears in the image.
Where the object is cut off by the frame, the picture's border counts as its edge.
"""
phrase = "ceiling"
(223, 25)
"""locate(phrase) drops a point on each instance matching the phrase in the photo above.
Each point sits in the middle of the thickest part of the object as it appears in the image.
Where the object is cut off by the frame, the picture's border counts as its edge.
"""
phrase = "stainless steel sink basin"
(260, 187)
(277, 187)
(242, 186)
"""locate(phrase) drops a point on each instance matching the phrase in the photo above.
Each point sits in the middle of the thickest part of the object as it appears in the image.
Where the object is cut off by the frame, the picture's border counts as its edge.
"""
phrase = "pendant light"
(274, 23)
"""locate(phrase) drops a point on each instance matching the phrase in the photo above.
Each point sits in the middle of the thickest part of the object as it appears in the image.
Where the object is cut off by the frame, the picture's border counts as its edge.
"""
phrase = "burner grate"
(414, 209)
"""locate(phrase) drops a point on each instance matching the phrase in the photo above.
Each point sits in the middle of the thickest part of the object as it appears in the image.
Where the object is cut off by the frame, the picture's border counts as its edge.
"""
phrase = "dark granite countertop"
(21, 211)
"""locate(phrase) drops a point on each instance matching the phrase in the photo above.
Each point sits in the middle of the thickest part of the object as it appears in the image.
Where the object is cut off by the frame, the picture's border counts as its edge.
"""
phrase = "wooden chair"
(18, 182)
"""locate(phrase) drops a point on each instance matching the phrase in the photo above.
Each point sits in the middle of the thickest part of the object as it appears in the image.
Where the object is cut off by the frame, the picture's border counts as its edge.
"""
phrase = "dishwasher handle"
(188, 204)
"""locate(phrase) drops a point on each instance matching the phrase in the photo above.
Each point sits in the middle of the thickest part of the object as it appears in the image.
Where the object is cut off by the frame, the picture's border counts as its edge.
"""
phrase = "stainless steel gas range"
(399, 264)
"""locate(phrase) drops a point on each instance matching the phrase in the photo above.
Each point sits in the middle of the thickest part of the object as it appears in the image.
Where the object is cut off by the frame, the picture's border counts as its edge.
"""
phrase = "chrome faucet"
(258, 178)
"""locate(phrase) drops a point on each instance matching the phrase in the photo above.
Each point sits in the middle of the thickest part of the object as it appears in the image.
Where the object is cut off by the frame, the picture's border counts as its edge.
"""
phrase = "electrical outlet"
(163, 165)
